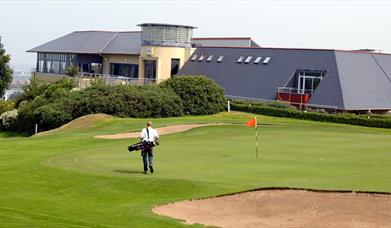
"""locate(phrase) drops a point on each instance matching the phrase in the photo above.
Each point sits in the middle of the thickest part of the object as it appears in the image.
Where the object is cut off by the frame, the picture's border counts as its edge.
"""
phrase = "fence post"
(36, 128)
(229, 106)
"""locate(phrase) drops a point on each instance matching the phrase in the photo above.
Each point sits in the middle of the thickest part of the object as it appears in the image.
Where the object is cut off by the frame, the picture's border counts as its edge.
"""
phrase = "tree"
(5, 70)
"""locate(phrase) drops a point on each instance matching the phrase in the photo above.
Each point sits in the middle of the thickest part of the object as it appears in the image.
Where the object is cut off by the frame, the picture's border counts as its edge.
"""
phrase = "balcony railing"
(293, 95)
(299, 106)
(85, 79)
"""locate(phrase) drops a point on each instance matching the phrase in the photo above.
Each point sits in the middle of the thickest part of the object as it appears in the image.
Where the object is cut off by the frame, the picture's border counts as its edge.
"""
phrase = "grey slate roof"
(94, 42)
(353, 80)
(365, 80)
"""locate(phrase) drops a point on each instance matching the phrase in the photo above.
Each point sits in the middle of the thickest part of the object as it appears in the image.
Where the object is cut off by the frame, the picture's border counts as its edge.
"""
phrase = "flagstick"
(256, 138)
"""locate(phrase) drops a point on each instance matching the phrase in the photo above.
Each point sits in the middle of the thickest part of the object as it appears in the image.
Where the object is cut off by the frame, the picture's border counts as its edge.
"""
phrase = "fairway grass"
(70, 179)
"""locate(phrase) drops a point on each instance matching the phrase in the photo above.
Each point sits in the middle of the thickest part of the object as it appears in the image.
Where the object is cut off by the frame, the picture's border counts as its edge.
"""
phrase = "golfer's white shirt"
(152, 134)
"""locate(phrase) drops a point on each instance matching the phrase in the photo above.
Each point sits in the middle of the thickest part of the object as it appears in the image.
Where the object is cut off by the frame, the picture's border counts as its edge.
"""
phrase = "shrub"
(6, 106)
(126, 101)
(9, 120)
(335, 118)
(200, 95)
(59, 88)
(51, 116)
(26, 110)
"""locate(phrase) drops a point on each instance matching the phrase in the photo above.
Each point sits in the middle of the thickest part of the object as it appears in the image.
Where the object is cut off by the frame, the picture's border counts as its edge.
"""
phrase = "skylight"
(240, 59)
(267, 60)
(248, 59)
(194, 58)
(220, 59)
(258, 60)
(202, 57)
(210, 58)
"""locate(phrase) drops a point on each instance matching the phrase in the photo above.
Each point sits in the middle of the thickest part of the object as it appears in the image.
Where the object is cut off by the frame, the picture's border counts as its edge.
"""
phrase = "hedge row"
(334, 118)
(53, 105)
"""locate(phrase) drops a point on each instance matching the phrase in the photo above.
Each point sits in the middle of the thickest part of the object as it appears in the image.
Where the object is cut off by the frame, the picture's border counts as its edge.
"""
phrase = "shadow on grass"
(125, 171)
(13, 134)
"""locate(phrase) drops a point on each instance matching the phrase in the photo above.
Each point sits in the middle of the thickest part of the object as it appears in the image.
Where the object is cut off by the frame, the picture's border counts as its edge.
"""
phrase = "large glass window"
(174, 66)
(150, 69)
(63, 67)
(56, 67)
(56, 63)
(96, 68)
(49, 66)
(127, 70)
(40, 65)
(308, 81)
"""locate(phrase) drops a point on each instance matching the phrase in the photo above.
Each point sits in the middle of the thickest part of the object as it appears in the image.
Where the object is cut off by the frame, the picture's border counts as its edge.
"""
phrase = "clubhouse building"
(346, 80)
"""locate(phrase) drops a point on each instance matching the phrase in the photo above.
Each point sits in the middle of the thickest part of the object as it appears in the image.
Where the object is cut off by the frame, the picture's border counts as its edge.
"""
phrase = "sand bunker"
(161, 131)
(285, 208)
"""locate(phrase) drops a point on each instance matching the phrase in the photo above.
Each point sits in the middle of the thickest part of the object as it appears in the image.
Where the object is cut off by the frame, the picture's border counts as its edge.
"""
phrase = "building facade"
(346, 80)
(153, 54)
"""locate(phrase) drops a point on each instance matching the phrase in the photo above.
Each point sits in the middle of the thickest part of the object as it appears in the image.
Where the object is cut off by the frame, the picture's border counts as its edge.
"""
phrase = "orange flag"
(251, 123)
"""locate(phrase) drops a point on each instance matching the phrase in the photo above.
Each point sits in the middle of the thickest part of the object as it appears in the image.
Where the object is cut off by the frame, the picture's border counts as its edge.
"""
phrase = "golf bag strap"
(148, 134)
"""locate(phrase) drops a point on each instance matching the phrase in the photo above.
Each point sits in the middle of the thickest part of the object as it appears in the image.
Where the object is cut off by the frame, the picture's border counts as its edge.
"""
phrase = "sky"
(291, 24)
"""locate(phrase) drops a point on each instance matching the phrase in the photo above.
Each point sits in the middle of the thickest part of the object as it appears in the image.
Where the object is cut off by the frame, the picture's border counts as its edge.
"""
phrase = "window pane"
(48, 66)
(258, 59)
(150, 69)
(248, 59)
(63, 67)
(40, 66)
(56, 67)
(220, 59)
(174, 66)
(126, 70)
(267, 60)
(210, 58)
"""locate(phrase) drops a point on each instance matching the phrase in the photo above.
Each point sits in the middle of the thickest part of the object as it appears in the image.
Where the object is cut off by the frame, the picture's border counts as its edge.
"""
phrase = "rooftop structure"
(157, 34)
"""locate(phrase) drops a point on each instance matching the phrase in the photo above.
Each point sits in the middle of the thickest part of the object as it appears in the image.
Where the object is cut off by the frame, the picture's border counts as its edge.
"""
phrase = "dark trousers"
(147, 158)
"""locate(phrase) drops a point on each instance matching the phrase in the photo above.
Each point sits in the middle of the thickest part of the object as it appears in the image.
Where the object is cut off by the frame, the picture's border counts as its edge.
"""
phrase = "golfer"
(149, 137)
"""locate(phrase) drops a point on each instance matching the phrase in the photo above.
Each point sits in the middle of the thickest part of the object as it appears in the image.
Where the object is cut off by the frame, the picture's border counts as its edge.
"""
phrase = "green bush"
(6, 106)
(200, 95)
(51, 116)
(126, 101)
(59, 89)
(335, 118)
(26, 121)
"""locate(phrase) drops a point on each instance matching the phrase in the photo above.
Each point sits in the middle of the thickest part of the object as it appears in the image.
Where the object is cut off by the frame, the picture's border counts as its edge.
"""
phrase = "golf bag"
(135, 147)
(141, 146)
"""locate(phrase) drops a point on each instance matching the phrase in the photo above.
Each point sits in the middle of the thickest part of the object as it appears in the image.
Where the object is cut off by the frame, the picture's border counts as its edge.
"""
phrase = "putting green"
(289, 156)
